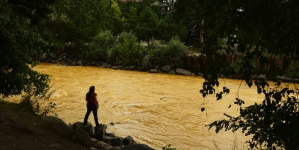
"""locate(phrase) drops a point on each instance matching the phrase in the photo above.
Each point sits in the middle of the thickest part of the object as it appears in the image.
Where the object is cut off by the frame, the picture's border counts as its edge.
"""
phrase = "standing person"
(92, 105)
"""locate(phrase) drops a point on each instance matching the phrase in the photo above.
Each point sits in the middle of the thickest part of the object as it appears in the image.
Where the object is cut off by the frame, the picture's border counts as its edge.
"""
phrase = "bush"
(101, 45)
(293, 69)
(272, 124)
(35, 102)
(129, 50)
(172, 53)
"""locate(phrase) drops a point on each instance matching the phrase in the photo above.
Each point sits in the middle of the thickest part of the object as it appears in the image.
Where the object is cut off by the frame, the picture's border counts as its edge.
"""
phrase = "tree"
(132, 19)
(168, 28)
(77, 22)
(116, 20)
(148, 22)
(21, 45)
(263, 31)
(101, 45)
(129, 50)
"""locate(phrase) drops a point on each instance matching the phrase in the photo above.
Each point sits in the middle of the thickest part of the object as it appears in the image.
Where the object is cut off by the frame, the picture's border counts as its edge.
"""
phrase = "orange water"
(155, 109)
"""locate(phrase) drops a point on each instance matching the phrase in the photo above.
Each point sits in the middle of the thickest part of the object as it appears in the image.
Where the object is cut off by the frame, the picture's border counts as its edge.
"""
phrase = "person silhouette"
(92, 105)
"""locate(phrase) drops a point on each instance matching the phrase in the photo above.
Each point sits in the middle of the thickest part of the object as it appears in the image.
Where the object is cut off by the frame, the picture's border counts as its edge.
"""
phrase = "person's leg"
(87, 115)
(95, 115)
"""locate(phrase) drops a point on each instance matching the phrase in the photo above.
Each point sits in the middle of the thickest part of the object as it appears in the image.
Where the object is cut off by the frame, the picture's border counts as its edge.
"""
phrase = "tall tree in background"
(21, 45)
(131, 21)
(148, 23)
(264, 31)
(77, 22)
(116, 18)
(169, 28)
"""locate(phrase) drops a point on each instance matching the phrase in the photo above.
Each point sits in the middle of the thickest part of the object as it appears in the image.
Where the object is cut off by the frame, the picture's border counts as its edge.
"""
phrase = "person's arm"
(96, 100)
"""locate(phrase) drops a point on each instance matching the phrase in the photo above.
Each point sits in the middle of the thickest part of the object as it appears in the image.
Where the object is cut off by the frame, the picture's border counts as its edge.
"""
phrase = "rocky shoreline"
(20, 129)
(65, 59)
(96, 136)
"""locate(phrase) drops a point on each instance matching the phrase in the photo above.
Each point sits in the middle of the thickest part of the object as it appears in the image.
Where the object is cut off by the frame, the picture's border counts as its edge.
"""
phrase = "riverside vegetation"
(261, 31)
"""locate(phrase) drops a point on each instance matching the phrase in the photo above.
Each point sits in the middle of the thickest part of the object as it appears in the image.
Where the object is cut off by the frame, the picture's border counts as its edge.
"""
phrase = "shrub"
(35, 102)
(293, 69)
(272, 124)
(101, 45)
(129, 50)
(171, 53)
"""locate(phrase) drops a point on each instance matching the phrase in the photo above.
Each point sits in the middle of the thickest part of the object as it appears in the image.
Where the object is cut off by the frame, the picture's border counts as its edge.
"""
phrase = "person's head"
(91, 89)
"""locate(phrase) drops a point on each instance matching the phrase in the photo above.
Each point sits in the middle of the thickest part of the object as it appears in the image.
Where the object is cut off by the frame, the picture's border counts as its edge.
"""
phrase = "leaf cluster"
(270, 123)
(21, 46)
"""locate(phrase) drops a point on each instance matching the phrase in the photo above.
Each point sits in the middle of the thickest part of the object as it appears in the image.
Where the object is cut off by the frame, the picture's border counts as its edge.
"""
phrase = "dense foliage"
(128, 49)
(21, 46)
(257, 32)
(76, 23)
(30, 28)
(147, 25)
(254, 35)
(101, 45)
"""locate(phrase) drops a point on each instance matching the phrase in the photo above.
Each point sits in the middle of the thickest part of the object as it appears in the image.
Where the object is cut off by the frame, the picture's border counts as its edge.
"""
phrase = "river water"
(155, 109)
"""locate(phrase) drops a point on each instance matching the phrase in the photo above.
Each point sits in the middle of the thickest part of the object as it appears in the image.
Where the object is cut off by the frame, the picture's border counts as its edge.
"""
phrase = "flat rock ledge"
(96, 138)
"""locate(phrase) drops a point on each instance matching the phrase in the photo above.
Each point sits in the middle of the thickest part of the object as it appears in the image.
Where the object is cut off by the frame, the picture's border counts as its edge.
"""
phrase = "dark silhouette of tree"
(21, 46)
(263, 35)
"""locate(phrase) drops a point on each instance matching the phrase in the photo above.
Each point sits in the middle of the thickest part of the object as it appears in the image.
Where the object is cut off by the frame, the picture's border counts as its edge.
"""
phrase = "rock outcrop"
(106, 141)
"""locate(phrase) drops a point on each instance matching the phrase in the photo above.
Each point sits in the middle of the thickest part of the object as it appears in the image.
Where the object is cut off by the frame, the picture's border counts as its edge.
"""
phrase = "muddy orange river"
(155, 109)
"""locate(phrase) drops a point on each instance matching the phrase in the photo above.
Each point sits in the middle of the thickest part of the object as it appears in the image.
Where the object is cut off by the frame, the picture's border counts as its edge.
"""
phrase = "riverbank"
(21, 129)
(194, 66)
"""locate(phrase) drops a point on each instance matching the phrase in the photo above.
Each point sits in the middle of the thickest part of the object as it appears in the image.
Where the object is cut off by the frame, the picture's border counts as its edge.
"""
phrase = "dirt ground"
(21, 129)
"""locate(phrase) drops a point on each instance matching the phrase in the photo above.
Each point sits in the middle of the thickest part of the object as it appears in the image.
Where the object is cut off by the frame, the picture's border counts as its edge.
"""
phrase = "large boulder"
(100, 144)
(43, 57)
(128, 141)
(154, 71)
(61, 128)
(88, 128)
(100, 131)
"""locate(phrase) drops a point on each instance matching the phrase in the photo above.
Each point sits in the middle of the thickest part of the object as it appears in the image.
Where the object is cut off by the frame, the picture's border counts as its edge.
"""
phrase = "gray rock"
(137, 147)
(43, 57)
(115, 148)
(98, 64)
(117, 141)
(73, 63)
(60, 59)
(83, 130)
(105, 65)
(60, 126)
(100, 131)
(183, 72)
(131, 67)
(100, 144)
(166, 68)
(80, 63)
(128, 140)
(171, 72)
(115, 67)
(154, 71)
